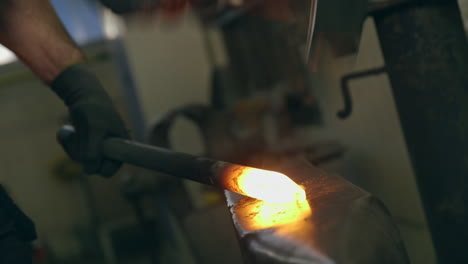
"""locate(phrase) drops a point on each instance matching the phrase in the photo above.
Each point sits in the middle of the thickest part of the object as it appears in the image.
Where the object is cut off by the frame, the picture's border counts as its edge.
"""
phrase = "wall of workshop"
(169, 64)
(30, 115)
(464, 11)
(171, 69)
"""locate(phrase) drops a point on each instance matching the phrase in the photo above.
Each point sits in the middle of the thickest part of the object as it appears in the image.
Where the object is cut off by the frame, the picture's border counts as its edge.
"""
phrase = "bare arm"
(32, 30)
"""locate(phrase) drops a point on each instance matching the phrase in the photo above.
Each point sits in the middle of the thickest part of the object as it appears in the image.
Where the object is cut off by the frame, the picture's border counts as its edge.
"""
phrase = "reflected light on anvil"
(269, 186)
(257, 215)
(271, 215)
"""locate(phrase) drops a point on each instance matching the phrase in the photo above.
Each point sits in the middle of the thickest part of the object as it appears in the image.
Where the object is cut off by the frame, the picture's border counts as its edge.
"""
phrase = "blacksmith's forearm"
(32, 30)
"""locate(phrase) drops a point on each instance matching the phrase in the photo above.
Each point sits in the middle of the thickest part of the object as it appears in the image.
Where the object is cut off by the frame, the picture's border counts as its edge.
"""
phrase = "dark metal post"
(426, 54)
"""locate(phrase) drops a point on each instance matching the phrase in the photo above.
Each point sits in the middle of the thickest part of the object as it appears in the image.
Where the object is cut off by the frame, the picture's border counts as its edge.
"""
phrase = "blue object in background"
(82, 19)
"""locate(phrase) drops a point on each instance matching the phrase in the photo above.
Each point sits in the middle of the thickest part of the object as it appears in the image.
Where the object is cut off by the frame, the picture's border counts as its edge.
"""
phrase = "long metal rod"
(217, 173)
(311, 29)
(180, 165)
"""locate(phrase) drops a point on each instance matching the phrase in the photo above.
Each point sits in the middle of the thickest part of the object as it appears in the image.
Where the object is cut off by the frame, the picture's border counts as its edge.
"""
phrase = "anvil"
(339, 223)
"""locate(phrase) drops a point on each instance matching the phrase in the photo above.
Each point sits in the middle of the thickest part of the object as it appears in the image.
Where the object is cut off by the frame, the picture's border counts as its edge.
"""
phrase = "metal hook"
(345, 89)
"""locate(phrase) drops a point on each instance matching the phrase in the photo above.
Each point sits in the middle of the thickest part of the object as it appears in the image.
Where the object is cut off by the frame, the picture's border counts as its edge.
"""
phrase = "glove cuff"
(76, 83)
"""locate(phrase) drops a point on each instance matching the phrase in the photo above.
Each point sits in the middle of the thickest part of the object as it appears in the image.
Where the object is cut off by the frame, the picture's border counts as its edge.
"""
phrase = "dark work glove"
(93, 116)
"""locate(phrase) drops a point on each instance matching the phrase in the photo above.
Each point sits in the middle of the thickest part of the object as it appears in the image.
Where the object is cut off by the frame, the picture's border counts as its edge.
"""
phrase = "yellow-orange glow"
(269, 186)
(272, 215)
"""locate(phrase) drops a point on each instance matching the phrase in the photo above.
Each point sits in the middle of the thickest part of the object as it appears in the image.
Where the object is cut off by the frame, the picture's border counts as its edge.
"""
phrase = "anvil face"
(337, 223)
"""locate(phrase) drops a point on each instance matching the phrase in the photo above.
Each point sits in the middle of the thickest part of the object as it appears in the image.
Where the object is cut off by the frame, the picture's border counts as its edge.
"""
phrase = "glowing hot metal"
(269, 186)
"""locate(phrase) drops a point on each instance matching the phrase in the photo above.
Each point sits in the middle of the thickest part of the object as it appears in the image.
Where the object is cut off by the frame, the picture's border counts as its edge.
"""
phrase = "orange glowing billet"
(259, 215)
(269, 186)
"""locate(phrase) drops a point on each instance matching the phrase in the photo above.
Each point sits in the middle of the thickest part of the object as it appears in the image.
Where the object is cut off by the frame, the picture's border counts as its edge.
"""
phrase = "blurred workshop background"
(151, 68)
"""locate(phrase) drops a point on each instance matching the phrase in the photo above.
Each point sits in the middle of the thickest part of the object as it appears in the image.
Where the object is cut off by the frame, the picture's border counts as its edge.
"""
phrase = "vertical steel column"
(426, 54)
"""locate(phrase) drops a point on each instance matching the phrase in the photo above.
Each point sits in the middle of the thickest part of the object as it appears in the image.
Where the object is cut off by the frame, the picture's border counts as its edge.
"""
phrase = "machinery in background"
(259, 102)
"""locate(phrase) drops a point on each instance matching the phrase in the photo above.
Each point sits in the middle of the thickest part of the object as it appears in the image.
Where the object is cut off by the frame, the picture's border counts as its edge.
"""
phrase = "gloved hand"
(93, 116)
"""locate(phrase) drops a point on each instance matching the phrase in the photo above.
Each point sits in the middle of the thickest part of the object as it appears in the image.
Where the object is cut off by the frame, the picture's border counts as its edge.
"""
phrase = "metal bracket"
(348, 103)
